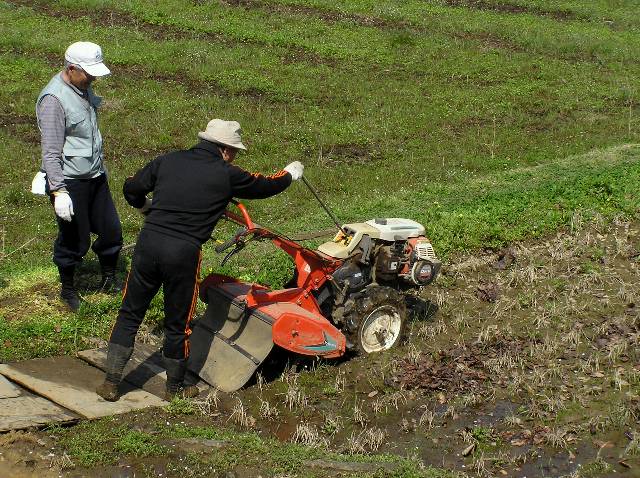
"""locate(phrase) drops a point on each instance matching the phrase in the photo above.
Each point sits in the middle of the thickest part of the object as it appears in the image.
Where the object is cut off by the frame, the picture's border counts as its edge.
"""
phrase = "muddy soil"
(515, 8)
(21, 125)
(529, 367)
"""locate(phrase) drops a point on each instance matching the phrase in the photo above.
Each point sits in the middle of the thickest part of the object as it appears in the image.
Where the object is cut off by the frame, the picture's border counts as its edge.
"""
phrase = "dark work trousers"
(161, 260)
(93, 212)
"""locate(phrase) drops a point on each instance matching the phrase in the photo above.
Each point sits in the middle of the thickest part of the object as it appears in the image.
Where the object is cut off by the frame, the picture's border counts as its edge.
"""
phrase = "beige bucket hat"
(223, 132)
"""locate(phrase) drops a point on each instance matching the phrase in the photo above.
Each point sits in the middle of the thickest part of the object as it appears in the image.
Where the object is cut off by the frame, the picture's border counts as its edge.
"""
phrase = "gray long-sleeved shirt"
(52, 126)
(51, 121)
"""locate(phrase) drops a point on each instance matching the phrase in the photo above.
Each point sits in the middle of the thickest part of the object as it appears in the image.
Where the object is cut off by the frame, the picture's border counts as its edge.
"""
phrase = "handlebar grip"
(226, 245)
(230, 242)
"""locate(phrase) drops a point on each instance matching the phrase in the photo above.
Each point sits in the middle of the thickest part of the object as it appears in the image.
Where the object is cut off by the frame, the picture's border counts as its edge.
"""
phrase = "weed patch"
(137, 444)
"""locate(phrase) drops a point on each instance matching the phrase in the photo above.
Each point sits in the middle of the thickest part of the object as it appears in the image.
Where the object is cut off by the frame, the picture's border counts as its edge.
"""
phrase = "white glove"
(63, 205)
(147, 204)
(295, 169)
(38, 184)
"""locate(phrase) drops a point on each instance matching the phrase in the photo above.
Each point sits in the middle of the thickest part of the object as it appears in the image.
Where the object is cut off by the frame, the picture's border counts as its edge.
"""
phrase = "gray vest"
(82, 150)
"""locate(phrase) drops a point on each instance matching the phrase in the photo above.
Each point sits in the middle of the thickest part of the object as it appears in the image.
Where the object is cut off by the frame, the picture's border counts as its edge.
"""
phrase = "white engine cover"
(387, 229)
(393, 228)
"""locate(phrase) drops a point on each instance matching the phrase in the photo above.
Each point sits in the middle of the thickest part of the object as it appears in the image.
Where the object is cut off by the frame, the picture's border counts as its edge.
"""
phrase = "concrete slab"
(71, 383)
(28, 410)
(7, 389)
(144, 369)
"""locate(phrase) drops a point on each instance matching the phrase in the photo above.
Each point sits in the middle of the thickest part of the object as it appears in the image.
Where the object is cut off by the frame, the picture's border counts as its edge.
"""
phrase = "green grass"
(488, 125)
(250, 449)
(35, 324)
(181, 406)
(106, 441)
(138, 444)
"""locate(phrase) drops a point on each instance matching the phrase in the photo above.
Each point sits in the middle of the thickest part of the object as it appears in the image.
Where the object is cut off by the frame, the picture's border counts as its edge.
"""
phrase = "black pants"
(93, 212)
(161, 260)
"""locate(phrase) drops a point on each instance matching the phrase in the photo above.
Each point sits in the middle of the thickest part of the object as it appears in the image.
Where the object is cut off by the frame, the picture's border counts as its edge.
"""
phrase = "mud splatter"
(450, 371)
(487, 291)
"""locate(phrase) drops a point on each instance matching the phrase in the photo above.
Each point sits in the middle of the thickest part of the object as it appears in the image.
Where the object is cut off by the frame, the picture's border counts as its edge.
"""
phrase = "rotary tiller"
(348, 295)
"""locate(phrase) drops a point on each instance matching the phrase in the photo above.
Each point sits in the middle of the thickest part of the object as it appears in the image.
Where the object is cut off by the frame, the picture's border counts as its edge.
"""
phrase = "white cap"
(87, 56)
(223, 132)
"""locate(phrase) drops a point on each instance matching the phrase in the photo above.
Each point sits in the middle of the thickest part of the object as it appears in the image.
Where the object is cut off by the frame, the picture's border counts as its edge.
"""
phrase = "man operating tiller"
(191, 190)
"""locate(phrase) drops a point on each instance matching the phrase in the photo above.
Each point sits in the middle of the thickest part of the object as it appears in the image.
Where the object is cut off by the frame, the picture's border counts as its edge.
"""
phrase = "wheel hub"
(380, 329)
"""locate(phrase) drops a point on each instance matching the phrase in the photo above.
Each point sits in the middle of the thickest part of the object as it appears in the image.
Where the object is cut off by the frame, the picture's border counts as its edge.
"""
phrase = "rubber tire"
(360, 305)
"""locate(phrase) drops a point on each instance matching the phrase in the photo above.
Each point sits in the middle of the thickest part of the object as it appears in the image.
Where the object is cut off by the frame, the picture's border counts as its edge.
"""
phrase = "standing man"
(191, 190)
(73, 162)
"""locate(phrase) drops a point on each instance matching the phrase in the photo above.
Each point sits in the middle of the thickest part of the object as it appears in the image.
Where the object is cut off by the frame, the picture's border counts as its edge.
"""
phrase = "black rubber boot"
(117, 358)
(110, 283)
(175, 376)
(190, 385)
(68, 292)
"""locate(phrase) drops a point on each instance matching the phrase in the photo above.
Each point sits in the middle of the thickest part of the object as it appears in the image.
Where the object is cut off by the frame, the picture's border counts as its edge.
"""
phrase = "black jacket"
(192, 188)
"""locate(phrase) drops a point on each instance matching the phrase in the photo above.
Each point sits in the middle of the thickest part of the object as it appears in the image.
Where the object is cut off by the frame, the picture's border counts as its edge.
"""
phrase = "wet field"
(520, 362)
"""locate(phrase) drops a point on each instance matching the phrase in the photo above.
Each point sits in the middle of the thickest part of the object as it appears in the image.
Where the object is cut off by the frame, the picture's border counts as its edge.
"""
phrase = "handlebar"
(258, 232)
(244, 220)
